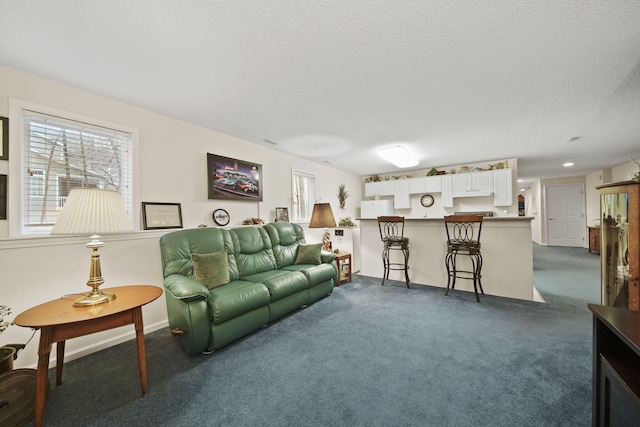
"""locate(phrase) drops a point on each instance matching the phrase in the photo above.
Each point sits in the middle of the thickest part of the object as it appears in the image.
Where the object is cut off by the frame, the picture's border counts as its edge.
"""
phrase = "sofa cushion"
(236, 298)
(211, 270)
(315, 274)
(281, 283)
(309, 254)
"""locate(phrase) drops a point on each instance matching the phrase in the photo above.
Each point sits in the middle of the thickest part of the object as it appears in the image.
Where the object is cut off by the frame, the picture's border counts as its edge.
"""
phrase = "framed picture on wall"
(156, 216)
(282, 214)
(233, 179)
(3, 196)
(4, 138)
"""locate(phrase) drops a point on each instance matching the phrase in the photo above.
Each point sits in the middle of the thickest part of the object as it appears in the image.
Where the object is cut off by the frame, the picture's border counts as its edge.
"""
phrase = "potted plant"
(8, 352)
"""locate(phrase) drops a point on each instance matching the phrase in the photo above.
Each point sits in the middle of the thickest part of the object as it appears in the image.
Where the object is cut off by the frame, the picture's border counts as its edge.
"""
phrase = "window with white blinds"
(60, 154)
(303, 195)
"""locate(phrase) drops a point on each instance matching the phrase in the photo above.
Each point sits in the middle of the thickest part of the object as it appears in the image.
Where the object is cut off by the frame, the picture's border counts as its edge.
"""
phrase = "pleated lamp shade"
(92, 211)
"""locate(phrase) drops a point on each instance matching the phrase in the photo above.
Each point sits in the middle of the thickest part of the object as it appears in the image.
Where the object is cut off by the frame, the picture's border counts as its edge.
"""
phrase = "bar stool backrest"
(463, 231)
(391, 228)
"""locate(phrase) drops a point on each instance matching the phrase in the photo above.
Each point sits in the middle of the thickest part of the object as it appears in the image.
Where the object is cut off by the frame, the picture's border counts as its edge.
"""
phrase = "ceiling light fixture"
(568, 164)
(398, 155)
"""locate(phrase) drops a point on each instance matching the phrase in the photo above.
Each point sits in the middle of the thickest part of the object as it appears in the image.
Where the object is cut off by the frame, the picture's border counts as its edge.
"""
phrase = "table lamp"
(92, 211)
(322, 217)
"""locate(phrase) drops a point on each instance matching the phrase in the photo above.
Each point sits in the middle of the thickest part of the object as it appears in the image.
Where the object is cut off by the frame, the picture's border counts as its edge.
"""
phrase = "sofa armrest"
(185, 289)
(327, 257)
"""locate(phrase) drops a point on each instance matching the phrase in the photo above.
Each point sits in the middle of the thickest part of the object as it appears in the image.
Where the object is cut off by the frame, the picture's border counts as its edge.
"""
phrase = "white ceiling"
(455, 82)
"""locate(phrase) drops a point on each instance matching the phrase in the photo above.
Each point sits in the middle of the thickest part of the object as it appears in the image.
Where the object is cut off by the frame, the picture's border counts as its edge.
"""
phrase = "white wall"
(172, 169)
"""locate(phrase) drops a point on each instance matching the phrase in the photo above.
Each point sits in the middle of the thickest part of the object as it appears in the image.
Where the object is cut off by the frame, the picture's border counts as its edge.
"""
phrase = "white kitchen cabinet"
(387, 188)
(433, 184)
(427, 184)
(401, 196)
(371, 189)
(502, 187)
(447, 191)
(416, 185)
(375, 208)
(472, 184)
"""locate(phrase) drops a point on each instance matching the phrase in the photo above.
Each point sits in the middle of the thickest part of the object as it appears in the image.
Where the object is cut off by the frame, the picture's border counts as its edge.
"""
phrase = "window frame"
(17, 185)
(311, 199)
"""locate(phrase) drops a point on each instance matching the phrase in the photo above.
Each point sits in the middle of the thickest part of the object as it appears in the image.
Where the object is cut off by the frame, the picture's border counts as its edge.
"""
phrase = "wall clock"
(221, 217)
(426, 200)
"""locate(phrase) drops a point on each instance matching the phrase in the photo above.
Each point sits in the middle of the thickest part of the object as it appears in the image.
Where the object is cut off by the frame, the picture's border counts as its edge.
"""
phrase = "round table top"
(61, 311)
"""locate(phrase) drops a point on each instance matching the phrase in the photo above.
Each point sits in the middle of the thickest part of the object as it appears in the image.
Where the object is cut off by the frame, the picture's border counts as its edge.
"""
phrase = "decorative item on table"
(93, 211)
(346, 222)
(252, 221)
(342, 196)
(282, 214)
(322, 217)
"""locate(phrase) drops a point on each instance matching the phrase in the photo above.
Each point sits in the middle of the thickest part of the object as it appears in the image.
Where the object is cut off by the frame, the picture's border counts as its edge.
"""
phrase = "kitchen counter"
(506, 250)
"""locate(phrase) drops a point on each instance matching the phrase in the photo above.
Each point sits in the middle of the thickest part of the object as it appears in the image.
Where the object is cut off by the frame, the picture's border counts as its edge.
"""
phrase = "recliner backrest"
(285, 239)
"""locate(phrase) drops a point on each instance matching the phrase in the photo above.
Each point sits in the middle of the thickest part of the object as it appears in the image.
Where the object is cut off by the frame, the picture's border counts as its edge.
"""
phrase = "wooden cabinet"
(619, 244)
(594, 239)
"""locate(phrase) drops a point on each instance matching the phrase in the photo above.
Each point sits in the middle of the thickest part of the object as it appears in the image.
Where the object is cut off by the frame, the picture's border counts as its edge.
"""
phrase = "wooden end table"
(59, 320)
(343, 259)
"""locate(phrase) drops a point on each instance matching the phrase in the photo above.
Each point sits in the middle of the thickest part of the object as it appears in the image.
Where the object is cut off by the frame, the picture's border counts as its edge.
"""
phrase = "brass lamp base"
(94, 298)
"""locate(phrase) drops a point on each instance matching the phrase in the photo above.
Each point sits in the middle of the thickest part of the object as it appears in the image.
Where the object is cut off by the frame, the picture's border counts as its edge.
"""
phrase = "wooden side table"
(59, 320)
(343, 259)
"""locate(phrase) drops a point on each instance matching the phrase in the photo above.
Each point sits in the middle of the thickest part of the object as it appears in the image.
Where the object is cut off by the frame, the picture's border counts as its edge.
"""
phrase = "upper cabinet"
(472, 184)
(498, 183)
(502, 187)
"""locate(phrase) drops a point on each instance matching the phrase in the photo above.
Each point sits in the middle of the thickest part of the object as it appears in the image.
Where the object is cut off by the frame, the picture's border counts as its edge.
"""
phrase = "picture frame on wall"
(3, 196)
(282, 214)
(4, 138)
(156, 216)
(233, 179)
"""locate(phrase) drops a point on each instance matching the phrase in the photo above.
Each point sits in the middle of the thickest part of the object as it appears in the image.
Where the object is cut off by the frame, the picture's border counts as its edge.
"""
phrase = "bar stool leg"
(385, 264)
(406, 266)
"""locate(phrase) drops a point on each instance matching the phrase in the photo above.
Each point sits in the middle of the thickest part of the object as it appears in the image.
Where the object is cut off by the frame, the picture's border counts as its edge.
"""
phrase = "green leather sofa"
(264, 273)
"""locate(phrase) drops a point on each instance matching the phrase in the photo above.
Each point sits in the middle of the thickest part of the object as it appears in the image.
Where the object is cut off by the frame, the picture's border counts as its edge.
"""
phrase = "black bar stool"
(392, 235)
(463, 238)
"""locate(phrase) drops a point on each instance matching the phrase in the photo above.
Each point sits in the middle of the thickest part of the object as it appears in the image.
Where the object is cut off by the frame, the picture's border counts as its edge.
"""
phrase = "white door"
(565, 215)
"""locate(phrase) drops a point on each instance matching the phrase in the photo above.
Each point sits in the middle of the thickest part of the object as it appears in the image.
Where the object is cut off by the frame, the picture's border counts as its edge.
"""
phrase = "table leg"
(142, 355)
(59, 361)
(44, 349)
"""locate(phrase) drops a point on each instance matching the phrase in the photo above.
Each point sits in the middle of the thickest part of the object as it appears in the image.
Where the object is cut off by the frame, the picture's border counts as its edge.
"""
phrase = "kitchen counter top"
(487, 218)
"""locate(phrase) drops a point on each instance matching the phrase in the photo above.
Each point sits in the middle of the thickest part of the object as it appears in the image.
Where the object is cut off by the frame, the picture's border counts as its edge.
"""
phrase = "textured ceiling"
(455, 82)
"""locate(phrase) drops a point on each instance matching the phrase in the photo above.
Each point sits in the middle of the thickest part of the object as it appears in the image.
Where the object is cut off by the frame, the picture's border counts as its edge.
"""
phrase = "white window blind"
(61, 154)
(303, 195)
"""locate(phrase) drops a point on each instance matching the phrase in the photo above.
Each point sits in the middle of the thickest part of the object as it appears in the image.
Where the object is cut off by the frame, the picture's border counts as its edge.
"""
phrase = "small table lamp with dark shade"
(322, 217)
(92, 211)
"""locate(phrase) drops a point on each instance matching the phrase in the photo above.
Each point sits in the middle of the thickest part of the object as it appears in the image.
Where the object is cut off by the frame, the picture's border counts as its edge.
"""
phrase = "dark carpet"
(366, 356)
